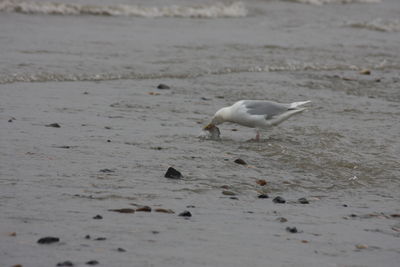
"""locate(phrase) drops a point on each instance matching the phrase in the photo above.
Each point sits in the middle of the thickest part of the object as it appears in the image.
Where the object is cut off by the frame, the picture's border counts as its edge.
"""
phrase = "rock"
(261, 182)
(173, 174)
(17, 265)
(65, 263)
(92, 262)
(185, 214)
(121, 250)
(87, 237)
(228, 193)
(234, 198)
(361, 246)
(126, 210)
(12, 234)
(282, 219)
(155, 232)
(48, 240)
(225, 186)
(305, 241)
(240, 161)
(303, 200)
(144, 209)
(106, 170)
(365, 72)
(100, 238)
(279, 200)
(292, 230)
(54, 125)
(98, 217)
(345, 205)
(397, 215)
(162, 86)
(108, 141)
(164, 210)
(263, 196)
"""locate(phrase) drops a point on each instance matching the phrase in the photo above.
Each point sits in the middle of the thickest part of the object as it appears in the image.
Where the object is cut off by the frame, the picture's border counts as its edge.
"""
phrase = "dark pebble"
(162, 86)
(292, 230)
(263, 196)
(282, 219)
(65, 263)
(127, 210)
(106, 170)
(240, 161)
(92, 262)
(48, 240)
(303, 200)
(164, 210)
(54, 125)
(98, 217)
(87, 237)
(121, 250)
(345, 205)
(279, 200)
(228, 193)
(10, 120)
(234, 198)
(190, 206)
(173, 174)
(353, 215)
(108, 141)
(100, 239)
(205, 98)
(185, 214)
(144, 208)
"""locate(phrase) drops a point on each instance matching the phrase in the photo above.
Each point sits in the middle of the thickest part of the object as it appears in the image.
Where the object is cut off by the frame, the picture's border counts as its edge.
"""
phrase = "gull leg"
(257, 135)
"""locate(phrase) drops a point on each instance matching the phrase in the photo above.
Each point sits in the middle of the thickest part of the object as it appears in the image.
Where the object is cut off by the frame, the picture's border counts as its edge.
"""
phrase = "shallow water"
(95, 72)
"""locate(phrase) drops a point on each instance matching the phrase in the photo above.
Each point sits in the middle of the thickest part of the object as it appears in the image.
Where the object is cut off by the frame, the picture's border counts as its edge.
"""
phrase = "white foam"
(323, 2)
(377, 25)
(215, 10)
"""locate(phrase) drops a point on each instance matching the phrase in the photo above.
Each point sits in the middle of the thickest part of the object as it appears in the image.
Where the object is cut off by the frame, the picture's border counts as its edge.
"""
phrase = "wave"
(288, 66)
(323, 2)
(377, 25)
(216, 10)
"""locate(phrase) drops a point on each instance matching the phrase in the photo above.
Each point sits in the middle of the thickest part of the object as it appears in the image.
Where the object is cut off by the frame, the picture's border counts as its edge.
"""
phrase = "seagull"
(258, 114)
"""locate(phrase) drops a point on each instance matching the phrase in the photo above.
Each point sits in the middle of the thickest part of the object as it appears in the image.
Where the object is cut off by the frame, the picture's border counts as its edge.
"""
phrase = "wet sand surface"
(118, 135)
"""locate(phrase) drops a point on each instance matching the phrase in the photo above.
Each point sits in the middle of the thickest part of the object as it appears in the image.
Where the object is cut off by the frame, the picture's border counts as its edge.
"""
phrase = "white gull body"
(259, 114)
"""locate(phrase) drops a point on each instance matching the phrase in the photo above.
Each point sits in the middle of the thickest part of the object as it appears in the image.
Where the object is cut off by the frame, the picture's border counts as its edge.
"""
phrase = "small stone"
(395, 215)
(282, 219)
(345, 205)
(173, 174)
(305, 241)
(154, 93)
(144, 209)
(261, 182)
(10, 120)
(121, 250)
(155, 232)
(279, 200)
(263, 196)
(106, 170)
(240, 161)
(17, 265)
(87, 237)
(361, 246)
(12, 234)
(126, 210)
(185, 214)
(292, 230)
(164, 210)
(162, 86)
(378, 80)
(85, 93)
(228, 193)
(54, 125)
(365, 72)
(100, 239)
(303, 200)
(190, 206)
(234, 198)
(225, 186)
(65, 263)
(107, 127)
(48, 240)
(108, 141)
(98, 217)
(92, 262)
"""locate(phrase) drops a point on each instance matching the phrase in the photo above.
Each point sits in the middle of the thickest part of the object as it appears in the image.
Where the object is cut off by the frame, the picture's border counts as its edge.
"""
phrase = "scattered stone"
(225, 186)
(10, 120)
(154, 93)
(240, 161)
(190, 206)
(92, 262)
(121, 250)
(234, 130)
(261, 182)
(303, 200)
(126, 210)
(345, 205)
(365, 72)
(17, 265)
(85, 93)
(65, 263)
(173, 174)
(87, 237)
(65, 147)
(185, 214)
(205, 98)
(54, 125)
(279, 200)
(144, 209)
(107, 127)
(378, 80)
(292, 230)
(361, 246)
(353, 215)
(48, 240)
(108, 141)
(234, 198)
(106, 170)
(395, 215)
(228, 193)
(100, 239)
(263, 196)
(12, 234)
(155, 232)
(282, 219)
(305, 241)
(164, 210)
(98, 217)
(162, 86)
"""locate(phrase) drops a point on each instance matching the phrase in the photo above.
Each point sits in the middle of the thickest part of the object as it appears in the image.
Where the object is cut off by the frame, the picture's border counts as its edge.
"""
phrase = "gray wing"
(267, 108)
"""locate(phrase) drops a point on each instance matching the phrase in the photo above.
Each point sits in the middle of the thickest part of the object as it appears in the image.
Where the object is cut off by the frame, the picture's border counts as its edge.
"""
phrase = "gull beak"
(209, 127)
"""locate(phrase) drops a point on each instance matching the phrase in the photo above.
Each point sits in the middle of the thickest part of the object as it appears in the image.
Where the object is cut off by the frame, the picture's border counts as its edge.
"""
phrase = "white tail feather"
(297, 104)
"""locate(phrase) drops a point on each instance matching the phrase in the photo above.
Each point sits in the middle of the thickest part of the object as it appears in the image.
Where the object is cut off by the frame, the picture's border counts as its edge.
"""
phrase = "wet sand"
(54, 179)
